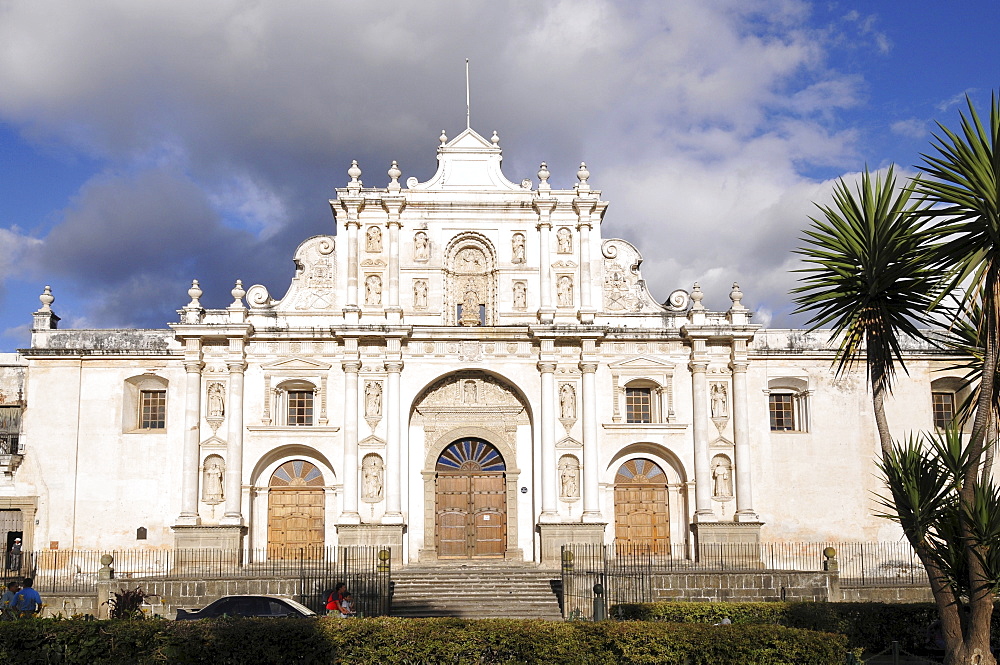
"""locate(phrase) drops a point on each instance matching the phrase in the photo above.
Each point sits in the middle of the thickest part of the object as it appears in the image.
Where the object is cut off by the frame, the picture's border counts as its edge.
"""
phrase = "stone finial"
(495, 139)
(543, 177)
(696, 297)
(736, 296)
(238, 293)
(394, 174)
(194, 292)
(443, 138)
(45, 318)
(583, 175)
(354, 172)
(47, 299)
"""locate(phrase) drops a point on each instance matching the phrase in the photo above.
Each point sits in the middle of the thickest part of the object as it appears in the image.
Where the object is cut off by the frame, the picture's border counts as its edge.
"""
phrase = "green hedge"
(870, 626)
(406, 641)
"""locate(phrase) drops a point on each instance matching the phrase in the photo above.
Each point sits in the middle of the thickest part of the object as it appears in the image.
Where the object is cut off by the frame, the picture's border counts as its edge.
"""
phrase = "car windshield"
(299, 606)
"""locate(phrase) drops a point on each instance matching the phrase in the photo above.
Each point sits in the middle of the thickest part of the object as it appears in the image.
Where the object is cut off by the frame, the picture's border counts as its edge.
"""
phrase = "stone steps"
(475, 592)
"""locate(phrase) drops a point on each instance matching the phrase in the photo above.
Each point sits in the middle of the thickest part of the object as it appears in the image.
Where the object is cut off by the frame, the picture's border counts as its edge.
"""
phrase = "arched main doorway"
(470, 501)
(295, 519)
(641, 518)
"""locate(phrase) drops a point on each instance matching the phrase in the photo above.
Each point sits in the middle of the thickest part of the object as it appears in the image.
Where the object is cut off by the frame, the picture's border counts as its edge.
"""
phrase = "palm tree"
(867, 277)
(962, 192)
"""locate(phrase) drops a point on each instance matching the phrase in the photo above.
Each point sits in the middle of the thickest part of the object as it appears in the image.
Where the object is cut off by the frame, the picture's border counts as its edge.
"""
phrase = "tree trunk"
(976, 645)
(878, 399)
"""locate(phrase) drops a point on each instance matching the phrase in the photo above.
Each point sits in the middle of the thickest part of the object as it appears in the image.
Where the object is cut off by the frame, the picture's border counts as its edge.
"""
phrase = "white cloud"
(226, 125)
(913, 127)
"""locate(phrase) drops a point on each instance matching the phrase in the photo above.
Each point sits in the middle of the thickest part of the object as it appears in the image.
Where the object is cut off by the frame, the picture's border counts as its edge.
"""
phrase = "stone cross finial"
(47, 299)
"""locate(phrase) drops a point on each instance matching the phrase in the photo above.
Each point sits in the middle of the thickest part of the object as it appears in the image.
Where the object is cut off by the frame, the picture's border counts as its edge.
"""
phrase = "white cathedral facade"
(467, 369)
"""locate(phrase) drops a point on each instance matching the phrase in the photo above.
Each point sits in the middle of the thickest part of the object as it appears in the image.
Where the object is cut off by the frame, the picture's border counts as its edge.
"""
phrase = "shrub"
(407, 641)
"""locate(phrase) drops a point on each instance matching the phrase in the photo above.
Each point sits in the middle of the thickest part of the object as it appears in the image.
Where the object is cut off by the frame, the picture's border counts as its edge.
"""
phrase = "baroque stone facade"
(467, 368)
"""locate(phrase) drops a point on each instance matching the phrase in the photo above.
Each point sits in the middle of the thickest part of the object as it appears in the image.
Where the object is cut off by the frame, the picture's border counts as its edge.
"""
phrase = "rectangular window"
(944, 409)
(10, 429)
(153, 409)
(638, 405)
(300, 407)
(782, 411)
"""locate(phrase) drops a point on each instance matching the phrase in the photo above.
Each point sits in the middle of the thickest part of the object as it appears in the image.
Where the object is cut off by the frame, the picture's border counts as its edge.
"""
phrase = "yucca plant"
(868, 278)
(962, 197)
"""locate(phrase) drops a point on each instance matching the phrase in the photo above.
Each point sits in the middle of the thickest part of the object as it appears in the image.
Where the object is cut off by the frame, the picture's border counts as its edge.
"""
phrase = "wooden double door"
(470, 497)
(642, 521)
(295, 512)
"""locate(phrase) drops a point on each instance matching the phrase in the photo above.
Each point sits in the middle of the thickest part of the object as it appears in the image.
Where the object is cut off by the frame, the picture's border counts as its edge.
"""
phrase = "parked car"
(249, 606)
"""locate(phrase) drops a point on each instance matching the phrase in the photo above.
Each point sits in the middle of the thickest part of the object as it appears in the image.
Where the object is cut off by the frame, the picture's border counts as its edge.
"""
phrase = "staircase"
(476, 592)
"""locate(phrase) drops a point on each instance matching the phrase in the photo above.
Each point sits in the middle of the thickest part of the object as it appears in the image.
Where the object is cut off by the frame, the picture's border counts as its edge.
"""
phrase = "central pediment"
(468, 162)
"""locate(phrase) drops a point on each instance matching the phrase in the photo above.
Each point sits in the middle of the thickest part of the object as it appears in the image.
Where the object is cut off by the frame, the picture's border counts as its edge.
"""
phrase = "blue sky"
(146, 144)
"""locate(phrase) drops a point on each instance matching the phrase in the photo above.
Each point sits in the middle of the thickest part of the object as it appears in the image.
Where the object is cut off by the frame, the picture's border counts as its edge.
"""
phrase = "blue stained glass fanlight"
(470, 455)
(640, 470)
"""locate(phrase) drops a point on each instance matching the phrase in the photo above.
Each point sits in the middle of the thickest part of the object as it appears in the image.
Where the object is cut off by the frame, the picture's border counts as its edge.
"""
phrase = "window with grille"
(300, 407)
(782, 407)
(943, 404)
(152, 409)
(638, 405)
(10, 429)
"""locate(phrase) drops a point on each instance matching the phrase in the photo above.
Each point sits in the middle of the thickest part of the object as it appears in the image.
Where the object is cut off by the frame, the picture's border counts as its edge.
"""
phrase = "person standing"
(14, 556)
(8, 599)
(28, 601)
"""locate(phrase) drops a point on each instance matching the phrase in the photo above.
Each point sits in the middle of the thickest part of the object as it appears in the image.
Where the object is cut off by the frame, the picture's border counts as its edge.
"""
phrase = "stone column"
(349, 513)
(393, 462)
(702, 468)
(234, 446)
(591, 496)
(393, 203)
(192, 434)
(584, 208)
(546, 312)
(550, 511)
(352, 262)
(741, 432)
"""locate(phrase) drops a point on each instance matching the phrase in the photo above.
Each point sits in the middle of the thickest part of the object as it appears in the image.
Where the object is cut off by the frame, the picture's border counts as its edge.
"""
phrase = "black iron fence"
(366, 571)
(594, 577)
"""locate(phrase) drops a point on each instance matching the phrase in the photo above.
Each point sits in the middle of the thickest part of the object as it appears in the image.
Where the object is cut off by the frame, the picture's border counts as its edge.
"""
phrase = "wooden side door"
(641, 512)
(295, 512)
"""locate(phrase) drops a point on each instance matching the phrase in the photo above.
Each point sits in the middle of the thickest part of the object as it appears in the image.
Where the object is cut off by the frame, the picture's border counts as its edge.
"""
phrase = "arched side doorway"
(295, 515)
(642, 518)
(470, 501)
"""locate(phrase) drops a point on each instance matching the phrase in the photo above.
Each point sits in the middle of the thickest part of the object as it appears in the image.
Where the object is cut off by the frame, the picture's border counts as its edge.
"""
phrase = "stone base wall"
(171, 594)
(67, 606)
(887, 594)
(770, 585)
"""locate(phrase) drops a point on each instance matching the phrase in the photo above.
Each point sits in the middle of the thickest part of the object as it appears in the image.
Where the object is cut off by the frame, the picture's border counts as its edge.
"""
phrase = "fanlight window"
(297, 473)
(640, 471)
(470, 455)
